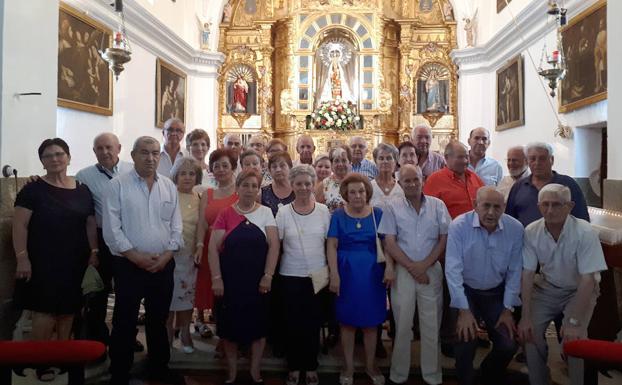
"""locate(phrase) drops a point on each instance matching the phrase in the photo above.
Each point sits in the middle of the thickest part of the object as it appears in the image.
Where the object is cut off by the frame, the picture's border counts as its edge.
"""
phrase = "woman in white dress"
(385, 186)
(198, 144)
(186, 175)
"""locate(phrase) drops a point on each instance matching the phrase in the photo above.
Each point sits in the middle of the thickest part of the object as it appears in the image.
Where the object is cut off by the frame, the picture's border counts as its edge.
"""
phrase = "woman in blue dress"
(355, 275)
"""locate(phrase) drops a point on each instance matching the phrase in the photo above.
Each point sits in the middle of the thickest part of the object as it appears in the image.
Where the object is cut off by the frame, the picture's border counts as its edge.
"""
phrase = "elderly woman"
(275, 145)
(54, 237)
(322, 167)
(385, 186)
(222, 164)
(251, 160)
(355, 275)
(279, 192)
(302, 226)
(198, 144)
(327, 191)
(186, 174)
(243, 252)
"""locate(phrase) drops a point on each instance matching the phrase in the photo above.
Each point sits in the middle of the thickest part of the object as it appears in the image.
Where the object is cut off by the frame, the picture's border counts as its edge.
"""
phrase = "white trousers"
(405, 294)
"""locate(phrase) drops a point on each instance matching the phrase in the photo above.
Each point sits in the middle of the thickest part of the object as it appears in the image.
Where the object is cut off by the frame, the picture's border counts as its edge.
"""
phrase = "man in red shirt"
(455, 184)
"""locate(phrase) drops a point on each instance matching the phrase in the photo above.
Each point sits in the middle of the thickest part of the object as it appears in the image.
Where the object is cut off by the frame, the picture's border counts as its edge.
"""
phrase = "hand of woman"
(389, 276)
(265, 284)
(335, 283)
(218, 287)
(94, 259)
(24, 269)
(198, 255)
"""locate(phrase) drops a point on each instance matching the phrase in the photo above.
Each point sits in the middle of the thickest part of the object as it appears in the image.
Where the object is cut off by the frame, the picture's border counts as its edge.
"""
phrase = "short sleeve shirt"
(457, 194)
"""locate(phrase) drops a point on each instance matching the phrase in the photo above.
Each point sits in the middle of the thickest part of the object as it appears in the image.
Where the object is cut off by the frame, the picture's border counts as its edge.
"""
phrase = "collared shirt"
(432, 164)
(297, 162)
(488, 170)
(576, 252)
(457, 194)
(523, 199)
(366, 168)
(97, 179)
(417, 233)
(166, 164)
(483, 260)
(508, 181)
(136, 218)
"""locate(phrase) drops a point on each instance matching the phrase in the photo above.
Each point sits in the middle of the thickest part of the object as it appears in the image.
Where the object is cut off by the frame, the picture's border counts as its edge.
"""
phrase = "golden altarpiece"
(389, 58)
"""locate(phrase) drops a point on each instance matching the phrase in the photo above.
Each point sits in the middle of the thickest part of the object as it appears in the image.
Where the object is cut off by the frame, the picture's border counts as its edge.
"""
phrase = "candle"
(555, 56)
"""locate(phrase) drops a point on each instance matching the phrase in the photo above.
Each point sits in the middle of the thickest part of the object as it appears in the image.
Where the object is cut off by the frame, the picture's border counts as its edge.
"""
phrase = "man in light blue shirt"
(171, 152)
(359, 163)
(142, 227)
(97, 177)
(487, 168)
(483, 264)
(415, 228)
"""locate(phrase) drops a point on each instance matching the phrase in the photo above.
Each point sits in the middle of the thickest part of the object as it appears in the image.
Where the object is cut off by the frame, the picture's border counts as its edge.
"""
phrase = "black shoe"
(448, 350)
(138, 346)
(381, 352)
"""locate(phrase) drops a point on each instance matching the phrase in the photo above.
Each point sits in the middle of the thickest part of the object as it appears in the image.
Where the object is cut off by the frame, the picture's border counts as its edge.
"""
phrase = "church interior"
(526, 70)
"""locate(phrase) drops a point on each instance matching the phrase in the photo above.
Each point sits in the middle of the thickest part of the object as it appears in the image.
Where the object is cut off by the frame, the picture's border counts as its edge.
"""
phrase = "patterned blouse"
(332, 197)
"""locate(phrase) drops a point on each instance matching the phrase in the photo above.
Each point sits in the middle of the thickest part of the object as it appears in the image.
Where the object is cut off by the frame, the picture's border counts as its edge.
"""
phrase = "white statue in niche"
(337, 72)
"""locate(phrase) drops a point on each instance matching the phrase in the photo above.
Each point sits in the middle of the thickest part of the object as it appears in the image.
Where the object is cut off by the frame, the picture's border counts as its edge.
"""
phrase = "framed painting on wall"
(171, 88)
(510, 110)
(84, 81)
(584, 41)
(501, 4)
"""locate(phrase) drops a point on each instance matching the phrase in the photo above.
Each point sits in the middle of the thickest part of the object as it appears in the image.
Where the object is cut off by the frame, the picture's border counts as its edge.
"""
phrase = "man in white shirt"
(517, 167)
(173, 134)
(570, 258)
(142, 227)
(415, 228)
(305, 149)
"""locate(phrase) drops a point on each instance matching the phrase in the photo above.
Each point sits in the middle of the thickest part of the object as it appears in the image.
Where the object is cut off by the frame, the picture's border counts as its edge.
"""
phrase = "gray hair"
(251, 152)
(386, 147)
(302, 169)
(356, 138)
(451, 146)
(184, 162)
(484, 189)
(418, 126)
(144, 140)
(407, 167)
(561, 192)
(523, 149)
(169, 122)
(229, 135)
(477, 128)
(103, 135)
(539, 146)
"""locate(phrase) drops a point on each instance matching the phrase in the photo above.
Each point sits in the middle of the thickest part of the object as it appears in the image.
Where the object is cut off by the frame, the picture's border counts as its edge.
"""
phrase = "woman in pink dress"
(222, 164)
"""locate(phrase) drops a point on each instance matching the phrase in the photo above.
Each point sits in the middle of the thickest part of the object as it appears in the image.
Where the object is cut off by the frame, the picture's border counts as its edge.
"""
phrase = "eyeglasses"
(59, 154)
(175, 131)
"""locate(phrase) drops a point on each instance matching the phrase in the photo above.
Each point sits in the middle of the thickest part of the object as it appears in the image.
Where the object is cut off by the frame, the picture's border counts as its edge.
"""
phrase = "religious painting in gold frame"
(584, 41)
(171, 91)
(84, 81)
(510, 111)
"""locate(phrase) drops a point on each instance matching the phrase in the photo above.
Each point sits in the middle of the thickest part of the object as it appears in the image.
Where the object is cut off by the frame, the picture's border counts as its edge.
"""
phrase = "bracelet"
(94, 251)
(268, 275)
(216, 277)
(200, 244)
(23, 252)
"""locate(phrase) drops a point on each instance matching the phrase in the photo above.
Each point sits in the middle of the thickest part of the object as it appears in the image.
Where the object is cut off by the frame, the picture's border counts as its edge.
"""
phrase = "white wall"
(477, 95)
(29, 62)
(614, 60)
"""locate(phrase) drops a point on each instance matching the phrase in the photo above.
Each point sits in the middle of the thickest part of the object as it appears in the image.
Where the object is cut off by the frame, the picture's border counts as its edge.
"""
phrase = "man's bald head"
(233, 142)
(106, 147)
(305, 149)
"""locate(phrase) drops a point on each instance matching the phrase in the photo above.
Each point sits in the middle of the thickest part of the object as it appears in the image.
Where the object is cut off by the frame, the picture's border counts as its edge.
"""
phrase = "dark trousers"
(303, 319)
(132, 284)
(486, 305)
(96, 306)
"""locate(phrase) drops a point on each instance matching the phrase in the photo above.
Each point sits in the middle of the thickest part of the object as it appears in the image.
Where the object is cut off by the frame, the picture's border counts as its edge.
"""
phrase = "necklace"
(387, 188)
(237, 205)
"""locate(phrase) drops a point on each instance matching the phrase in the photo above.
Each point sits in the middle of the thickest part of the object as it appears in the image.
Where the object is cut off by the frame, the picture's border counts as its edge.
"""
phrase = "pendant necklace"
(358, 224)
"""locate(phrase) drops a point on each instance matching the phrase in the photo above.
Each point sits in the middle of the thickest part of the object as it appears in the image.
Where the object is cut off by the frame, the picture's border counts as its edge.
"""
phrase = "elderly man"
(359, 163)
(523, 199)
(570, 257)
(487, 168)
(518, 168)
(455, 184)
(97, 177)
(305, 149)
(415, 228)
(171, 153)
(142, 227)
(483, 264)
(234, 143)
(429, 161)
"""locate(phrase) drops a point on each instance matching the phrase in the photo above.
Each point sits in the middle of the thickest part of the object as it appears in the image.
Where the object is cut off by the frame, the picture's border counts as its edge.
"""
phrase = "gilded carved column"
(406, 88)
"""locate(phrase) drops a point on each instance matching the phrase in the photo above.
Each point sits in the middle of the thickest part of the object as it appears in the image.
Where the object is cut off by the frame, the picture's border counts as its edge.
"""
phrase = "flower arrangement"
(335, 114)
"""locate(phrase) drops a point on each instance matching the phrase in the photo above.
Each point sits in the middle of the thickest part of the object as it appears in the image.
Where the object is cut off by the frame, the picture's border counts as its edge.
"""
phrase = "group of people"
(264, 242)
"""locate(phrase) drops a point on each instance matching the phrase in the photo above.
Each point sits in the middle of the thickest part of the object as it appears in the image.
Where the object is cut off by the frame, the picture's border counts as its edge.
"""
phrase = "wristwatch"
(573, 321)
(511, 309)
